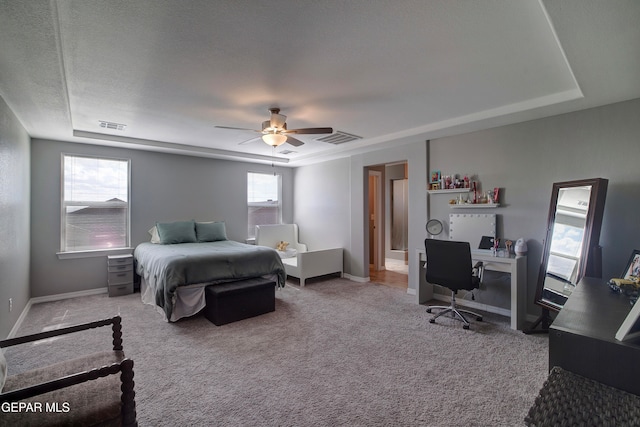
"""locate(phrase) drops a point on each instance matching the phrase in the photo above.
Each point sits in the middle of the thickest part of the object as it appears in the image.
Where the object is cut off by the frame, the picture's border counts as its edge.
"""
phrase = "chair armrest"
(115, 321)
(127, 397)
(300, 247)
(126, 365)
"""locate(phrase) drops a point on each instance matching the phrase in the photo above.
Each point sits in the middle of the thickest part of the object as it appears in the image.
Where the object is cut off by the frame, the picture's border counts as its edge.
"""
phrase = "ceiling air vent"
(112, 125)
(338, 137)
(287, 152)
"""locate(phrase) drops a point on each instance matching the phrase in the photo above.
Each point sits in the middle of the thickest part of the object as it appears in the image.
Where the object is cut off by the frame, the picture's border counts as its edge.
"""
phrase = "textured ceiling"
(387, 71)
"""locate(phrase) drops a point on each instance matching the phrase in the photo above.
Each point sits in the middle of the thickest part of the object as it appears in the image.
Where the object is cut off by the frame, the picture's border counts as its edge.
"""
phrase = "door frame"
(378, 236)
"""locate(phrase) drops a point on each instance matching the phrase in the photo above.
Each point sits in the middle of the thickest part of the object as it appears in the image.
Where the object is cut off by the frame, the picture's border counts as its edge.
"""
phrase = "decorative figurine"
(508, 244)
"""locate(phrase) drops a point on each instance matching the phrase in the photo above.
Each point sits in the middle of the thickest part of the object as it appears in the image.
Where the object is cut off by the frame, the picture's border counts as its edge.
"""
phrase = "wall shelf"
(476, 206)
(450, 191)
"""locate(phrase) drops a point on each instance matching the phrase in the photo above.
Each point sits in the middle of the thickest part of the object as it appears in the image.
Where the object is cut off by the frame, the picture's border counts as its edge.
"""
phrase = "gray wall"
(343, 208)
(526, 159)
(164, 187)
(321, 205)
(14, 218)
(330, 204)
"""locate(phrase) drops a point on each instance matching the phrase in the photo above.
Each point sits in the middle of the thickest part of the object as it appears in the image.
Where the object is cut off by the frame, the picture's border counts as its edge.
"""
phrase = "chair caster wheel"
(428, 310)
(465, 326)
(479, 318)
(432, 320)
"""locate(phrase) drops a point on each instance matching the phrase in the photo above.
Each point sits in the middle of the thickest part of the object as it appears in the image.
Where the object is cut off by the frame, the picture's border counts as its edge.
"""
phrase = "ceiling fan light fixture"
(274, 139)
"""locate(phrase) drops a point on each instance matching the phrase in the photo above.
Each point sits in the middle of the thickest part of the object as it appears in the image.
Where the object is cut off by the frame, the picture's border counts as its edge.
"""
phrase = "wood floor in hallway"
(389, 278)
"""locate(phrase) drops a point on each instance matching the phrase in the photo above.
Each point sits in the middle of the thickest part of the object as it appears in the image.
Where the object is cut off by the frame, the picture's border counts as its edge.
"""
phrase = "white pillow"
(155, 237)
(289, 253)
(3, 369)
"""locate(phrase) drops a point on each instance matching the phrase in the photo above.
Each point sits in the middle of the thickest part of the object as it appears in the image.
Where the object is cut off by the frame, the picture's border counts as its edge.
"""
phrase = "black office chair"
(449, 265)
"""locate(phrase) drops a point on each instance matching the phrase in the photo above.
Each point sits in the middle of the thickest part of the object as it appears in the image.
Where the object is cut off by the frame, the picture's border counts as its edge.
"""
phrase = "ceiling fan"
(274, 131)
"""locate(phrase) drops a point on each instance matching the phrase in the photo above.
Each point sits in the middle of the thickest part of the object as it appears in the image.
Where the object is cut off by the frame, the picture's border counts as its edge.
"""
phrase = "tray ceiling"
(387, 72)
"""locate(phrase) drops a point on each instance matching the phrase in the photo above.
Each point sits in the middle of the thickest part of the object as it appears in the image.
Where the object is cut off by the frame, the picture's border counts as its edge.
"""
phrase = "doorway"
(387, 218)
(376, 258)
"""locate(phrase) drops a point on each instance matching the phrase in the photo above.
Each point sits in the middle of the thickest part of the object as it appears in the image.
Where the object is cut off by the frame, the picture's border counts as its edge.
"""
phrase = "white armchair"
(305, 264)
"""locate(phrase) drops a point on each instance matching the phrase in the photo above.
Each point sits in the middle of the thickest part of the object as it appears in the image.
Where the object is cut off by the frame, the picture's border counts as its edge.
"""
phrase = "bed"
(175, 272)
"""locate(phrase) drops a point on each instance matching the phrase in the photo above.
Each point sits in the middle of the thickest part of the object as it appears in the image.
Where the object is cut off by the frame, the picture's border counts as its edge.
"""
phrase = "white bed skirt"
(187, 301)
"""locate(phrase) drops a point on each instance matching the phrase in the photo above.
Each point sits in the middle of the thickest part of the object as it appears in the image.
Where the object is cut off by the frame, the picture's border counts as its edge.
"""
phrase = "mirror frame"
(591, 257)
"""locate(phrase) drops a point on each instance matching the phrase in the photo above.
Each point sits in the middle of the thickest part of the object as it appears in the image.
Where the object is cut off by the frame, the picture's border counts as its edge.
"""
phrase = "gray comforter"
(167, 267)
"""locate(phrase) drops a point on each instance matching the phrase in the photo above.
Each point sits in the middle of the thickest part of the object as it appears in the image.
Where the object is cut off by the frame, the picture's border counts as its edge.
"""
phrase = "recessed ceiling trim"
(552, 29)
(177, 148)
(63, 68)
(458, 124)
(505, 110)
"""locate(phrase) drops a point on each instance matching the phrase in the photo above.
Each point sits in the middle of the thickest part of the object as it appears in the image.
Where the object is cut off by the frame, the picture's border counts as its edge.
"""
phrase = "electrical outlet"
(10, 304)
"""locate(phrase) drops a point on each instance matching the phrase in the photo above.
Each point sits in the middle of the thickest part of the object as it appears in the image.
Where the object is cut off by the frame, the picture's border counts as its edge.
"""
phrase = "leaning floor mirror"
(571, 247)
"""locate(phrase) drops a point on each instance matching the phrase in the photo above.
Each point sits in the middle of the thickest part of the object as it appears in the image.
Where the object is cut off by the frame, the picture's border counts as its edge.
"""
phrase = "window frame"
(250, 235)
(64, 252)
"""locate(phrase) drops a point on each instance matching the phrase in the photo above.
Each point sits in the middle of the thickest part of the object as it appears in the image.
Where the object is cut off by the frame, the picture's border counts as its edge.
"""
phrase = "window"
(95, 203)
(263, 200)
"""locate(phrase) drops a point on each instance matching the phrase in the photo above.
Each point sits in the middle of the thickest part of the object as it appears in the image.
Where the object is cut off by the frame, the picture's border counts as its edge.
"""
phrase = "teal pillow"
(176, 232)
(211, 231)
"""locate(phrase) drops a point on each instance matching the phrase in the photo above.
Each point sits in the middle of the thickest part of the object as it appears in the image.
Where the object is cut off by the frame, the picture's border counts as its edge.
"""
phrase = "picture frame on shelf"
(633, 266)
(435, 177)
(630, 327)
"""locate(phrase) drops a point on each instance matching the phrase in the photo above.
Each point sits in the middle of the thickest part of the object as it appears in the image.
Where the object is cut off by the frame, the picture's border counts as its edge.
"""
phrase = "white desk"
(516, 266)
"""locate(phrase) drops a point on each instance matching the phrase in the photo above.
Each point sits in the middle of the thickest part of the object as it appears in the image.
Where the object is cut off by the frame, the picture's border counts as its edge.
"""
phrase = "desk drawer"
(119, 277)
(123, 289)
(115, 260)
(127, 259)
(120, 268)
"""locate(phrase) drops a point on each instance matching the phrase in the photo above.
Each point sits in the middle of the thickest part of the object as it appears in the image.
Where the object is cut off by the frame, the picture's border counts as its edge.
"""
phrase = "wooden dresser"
(582, 337)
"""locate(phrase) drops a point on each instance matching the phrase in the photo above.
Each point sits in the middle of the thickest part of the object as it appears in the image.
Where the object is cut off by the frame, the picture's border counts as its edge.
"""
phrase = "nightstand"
(120, 274)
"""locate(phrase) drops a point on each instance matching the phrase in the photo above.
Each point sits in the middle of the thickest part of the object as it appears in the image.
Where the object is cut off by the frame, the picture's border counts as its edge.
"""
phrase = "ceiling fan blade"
(292, 141)
(257, 138)
(232, 128)
(310, 130)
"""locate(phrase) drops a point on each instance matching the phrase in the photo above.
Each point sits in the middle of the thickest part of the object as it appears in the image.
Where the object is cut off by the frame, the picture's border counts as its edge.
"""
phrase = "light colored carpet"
(334, 353)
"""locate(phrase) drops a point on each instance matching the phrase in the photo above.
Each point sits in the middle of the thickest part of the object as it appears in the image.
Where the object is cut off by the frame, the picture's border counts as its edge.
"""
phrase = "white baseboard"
(356, 278)
(411, 291)
(49, 298)
(58, 297)
(21, 318)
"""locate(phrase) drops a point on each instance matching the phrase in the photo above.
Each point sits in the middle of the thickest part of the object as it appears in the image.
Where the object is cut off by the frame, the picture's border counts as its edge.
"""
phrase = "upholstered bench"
(233, 301)
(567, 399)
